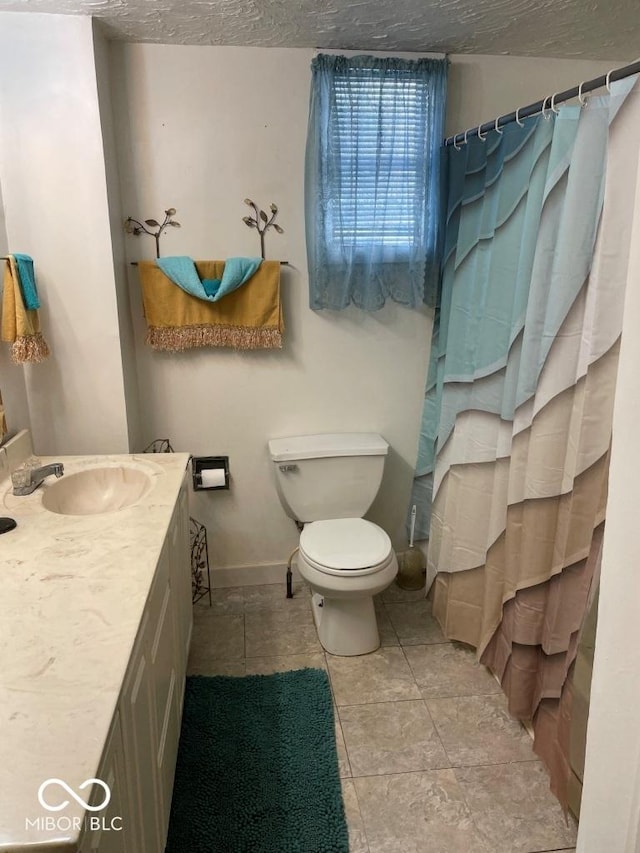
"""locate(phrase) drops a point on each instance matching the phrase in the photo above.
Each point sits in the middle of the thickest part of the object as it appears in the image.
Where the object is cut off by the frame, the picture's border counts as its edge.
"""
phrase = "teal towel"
(182, 271)
(27, 278)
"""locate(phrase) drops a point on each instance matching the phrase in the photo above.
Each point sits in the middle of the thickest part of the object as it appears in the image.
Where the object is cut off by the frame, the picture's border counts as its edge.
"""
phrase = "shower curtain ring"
(521, 123)
(544, 109)
(607, 82)
(581, 98)
(480, 136)
(457, 147)
(553, 104)
(465, 136)
(496, 128)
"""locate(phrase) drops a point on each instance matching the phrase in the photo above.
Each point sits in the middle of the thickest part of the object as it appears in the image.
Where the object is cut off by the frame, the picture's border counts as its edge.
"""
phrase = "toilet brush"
(411, 563)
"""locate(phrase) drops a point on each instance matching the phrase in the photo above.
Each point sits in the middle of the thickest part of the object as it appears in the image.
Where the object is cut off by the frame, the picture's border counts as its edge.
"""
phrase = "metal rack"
(199, 561)
(197, 540)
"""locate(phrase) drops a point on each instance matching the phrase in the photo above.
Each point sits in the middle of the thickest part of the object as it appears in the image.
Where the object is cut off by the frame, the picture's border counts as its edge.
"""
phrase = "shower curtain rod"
(549, 102)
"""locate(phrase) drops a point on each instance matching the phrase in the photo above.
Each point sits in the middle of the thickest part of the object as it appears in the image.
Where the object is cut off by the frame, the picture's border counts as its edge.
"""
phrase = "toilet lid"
(345, 543)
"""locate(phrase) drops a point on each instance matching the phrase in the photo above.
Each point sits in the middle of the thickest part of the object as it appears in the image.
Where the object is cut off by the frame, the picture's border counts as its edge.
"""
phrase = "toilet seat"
(346, 546)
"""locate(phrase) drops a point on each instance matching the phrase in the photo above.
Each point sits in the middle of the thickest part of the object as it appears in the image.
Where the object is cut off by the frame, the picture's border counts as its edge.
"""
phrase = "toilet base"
(346, 626)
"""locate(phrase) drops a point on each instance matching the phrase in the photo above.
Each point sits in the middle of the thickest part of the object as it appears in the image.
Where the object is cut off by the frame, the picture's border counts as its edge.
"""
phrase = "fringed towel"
(248, 318)
(21, 326)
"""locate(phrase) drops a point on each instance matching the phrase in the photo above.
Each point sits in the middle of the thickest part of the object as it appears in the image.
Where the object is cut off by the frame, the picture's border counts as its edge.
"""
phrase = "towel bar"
(135, 263)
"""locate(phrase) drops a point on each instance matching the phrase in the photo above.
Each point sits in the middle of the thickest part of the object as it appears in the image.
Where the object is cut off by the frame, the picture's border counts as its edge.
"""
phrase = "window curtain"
(372, 180)
(511, 482)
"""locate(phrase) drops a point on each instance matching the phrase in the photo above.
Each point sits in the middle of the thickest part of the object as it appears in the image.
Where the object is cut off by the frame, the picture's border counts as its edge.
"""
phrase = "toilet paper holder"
(200, 464)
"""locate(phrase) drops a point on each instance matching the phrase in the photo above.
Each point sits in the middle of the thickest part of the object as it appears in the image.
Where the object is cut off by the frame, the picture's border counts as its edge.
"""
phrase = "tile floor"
(430, 760)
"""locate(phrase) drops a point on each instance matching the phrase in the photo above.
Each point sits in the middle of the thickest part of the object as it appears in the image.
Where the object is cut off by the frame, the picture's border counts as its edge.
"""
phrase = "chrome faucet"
(35, 476)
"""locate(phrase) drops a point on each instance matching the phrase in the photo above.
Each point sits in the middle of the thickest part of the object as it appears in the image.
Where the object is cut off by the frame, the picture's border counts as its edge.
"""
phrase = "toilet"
(326, 483)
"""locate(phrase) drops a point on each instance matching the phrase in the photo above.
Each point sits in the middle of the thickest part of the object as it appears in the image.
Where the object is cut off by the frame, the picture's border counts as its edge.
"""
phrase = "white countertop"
(72, 593)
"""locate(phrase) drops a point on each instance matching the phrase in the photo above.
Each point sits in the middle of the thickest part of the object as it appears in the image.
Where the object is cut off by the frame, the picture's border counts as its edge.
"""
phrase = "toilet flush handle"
(286, 468)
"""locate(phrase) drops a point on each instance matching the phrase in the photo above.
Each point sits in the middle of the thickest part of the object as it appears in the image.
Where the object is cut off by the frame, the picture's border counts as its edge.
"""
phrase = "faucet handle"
(21, 477)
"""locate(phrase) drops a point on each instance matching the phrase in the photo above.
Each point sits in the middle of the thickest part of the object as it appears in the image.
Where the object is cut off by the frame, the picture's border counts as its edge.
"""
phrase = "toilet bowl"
(327, 482)
(346, 562)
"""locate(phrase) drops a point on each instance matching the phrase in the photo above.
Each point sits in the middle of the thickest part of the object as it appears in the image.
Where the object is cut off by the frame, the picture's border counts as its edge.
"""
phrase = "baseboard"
(258, 573)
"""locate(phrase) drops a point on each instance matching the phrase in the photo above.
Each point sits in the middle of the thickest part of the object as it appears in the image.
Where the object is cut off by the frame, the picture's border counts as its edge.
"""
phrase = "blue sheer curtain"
(372, 180)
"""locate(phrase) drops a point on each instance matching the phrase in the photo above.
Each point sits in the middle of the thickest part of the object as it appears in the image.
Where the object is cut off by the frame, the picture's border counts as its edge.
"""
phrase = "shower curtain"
(511, 480)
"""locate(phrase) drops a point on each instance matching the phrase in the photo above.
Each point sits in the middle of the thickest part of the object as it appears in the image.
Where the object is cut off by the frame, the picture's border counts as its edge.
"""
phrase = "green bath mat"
(257, 767)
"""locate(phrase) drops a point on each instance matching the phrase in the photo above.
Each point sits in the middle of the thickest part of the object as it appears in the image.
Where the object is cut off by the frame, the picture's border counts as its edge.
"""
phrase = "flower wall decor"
(133, 226)
(262, 221)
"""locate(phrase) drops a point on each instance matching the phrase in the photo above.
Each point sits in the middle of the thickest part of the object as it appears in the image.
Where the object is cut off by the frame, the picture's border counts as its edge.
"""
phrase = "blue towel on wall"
(182, 271)
(27, 278)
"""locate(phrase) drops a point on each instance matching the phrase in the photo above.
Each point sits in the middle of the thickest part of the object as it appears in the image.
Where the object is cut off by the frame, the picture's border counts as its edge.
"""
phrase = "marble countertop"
(72, 593)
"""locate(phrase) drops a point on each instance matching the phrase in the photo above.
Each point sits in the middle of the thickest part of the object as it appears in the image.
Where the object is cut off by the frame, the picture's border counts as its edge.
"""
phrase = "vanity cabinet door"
(177, 550)
(167, 754)
(180, 559)
(111, 830)
(150, 705)
(140, 739)
(168, 677)
(163, 657)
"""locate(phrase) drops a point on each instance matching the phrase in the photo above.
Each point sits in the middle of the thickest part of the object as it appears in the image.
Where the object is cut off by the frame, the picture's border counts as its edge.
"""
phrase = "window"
(372, 179)
(376, 134)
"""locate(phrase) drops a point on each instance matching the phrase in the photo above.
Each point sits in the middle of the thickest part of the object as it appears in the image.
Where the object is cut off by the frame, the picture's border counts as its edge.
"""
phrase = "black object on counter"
(7, 524)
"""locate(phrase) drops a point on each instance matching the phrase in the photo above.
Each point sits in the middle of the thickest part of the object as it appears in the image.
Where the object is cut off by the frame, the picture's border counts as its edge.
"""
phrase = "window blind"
(379, 141)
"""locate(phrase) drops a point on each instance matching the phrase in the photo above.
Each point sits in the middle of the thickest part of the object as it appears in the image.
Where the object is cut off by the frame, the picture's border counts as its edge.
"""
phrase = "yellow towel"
(248, 318)
(20, 328)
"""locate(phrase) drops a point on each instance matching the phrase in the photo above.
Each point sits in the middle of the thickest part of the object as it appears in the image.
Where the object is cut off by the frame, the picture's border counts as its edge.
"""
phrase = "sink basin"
(96, 490)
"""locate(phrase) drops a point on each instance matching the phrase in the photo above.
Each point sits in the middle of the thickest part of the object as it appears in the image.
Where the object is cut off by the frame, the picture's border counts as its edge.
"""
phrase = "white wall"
(200, 129)
(52, 171)
(12, 384)
(125, 325)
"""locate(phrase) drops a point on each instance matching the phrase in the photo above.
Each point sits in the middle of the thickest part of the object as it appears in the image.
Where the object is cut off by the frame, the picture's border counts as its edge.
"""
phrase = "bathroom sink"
(96, 490)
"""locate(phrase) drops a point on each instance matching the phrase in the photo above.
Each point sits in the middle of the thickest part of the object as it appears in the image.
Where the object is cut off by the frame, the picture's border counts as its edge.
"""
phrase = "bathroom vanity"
(95, 625)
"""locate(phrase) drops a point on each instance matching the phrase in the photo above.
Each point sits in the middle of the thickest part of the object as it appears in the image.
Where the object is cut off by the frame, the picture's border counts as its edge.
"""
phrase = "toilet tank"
(331, 475)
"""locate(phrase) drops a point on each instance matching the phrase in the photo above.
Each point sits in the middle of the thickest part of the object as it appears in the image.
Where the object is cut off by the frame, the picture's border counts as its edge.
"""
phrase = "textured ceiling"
(607, 29)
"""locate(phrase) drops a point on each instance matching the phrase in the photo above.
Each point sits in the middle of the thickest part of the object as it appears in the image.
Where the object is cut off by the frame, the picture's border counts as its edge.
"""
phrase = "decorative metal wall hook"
(133, 226)
(262, 221)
